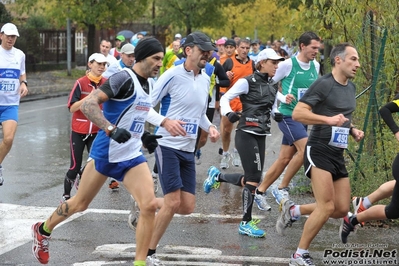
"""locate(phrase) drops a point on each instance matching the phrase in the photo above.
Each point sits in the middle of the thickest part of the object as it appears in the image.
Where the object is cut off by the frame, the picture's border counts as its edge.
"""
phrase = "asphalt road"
(34, 172)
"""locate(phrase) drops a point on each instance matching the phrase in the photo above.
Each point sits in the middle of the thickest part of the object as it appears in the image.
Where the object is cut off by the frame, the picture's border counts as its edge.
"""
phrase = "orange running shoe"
(113, 185)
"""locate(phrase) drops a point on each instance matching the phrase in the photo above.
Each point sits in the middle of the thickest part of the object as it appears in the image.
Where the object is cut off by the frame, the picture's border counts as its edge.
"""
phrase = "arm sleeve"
(283, 70)
(240, 87)
(205, 123)
(228, 64)
(386, 114)
(222, 76)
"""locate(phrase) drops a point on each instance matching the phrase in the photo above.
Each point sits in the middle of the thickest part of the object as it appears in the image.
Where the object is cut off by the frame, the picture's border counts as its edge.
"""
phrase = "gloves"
(120, 135)
(278, 117)
(233, 116)
(150, 141)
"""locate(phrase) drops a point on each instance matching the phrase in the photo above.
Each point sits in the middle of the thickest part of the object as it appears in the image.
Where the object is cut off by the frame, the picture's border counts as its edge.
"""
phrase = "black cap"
(199, 39)
(256, 41)
(230, 42)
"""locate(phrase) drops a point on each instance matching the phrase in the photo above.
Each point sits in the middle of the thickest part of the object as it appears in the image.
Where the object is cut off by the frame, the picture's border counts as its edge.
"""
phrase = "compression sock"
(247, 201)
(139, 263)
(68, 183)
(234, 179)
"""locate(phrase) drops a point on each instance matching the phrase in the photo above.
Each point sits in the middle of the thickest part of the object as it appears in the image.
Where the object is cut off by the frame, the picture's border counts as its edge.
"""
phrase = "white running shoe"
(155, 177)
(260, 200)
(134, 214)
(224, 163)
(153, 261)
(1, 176)
(236, 159)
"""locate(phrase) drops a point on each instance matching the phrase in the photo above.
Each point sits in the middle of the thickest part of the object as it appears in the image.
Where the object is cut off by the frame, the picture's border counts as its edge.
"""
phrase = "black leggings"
(392, 210)
(78, 143)
(251, 149)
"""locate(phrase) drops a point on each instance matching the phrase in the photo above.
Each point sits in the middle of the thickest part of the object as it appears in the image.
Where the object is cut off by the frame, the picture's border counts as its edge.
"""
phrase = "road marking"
(16, 221)
(191, 255)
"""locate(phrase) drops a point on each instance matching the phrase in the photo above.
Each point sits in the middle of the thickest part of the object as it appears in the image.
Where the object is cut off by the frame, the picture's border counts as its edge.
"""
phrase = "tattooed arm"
(92, 110)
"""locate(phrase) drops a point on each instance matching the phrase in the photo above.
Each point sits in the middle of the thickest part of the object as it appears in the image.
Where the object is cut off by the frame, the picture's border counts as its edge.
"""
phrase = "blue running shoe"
(210, 182)
(250, 229)
(198, 157)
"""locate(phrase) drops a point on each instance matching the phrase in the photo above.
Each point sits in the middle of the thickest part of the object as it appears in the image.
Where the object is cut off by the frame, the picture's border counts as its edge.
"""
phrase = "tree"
(88, 14)
(5, 15)
(189, 15)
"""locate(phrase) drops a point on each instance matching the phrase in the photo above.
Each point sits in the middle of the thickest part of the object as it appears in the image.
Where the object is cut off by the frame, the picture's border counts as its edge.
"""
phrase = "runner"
(328, 106)
(116, 151)
(257, 93)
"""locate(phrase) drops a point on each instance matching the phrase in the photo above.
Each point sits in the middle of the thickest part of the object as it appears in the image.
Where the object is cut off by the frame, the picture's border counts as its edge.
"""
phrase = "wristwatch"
(109, 129)
(24, 81)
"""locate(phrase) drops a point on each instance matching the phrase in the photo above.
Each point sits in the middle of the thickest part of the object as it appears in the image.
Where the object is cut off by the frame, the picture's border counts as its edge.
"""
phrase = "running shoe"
(65, 198)
(224, 163)
(285, 219)
(155, 179)
(281, 193)
(134, 215)
(153, 261)
(198, 157)
(301, 260)
(345, 229)
(1, 176)
(260, 200)
(211, 182)
(40, 245)
(236, 159)
(358, 207)
(250, 229)
(114, 185)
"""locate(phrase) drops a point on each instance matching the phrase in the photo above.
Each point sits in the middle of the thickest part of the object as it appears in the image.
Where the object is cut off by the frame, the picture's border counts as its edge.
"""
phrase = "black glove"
(278, 117)
(233, 116)
(120, 135)
(150, 141)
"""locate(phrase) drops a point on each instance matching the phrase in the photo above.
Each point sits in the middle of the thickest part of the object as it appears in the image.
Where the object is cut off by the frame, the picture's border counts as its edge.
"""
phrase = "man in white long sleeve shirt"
(183, 94)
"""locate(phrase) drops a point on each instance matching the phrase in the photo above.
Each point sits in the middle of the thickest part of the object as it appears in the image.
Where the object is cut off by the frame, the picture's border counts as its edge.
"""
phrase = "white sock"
(301, 251)
(296, 211)
(366, 202)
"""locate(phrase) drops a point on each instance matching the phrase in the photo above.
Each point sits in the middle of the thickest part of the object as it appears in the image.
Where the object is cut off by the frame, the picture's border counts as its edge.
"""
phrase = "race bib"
(301, 92)
(137, 127)
(339, 137)
(191, 127)
(7, 86)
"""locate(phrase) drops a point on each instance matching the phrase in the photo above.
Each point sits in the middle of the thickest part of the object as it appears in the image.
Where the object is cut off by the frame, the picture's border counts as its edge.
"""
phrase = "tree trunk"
(91, 40)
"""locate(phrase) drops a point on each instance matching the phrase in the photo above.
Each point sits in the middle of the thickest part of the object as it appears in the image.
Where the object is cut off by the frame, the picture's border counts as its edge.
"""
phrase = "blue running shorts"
(117, 170)
(8, 112)
(292, 130)
(176, 169)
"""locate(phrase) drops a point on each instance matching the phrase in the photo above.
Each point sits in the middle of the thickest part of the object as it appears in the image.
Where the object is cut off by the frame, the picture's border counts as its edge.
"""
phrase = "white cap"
(99, 58)
(127, 49)
(9, 29)
(178, 35)
(268, 53)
